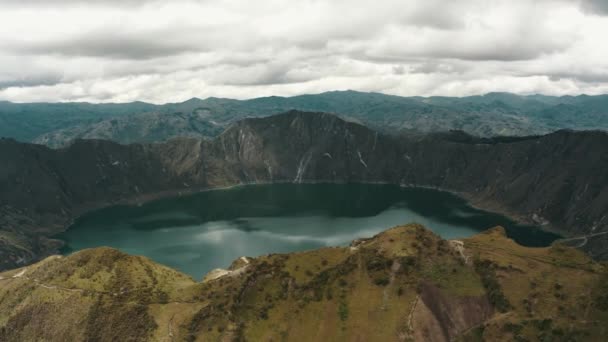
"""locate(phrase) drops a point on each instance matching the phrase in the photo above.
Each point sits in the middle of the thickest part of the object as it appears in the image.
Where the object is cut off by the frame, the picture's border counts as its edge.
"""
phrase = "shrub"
(343, 311)
(486, 270)
(381, 281)
(513, 328)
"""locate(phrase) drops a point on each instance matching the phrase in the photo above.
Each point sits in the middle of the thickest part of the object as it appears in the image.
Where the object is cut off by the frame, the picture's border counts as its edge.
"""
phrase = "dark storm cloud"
(442, 15)
(37, 80)
(599, 7)
(261, 74)
(473, 54)
(114, 45)
(587, 77)
(266, 77)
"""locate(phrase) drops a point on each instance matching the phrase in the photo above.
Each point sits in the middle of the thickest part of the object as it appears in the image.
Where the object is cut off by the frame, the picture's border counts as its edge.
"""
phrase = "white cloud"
(160, 51)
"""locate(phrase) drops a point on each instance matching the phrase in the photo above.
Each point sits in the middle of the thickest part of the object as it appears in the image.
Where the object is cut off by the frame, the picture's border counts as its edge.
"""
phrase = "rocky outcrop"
(557, 179)
(438, 317)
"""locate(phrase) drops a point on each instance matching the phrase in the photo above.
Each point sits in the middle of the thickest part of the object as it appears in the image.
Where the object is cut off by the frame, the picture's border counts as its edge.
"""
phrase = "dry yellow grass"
(379, 289)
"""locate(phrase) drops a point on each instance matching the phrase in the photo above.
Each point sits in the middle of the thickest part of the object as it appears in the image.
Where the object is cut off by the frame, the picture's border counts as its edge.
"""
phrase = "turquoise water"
(198, 233)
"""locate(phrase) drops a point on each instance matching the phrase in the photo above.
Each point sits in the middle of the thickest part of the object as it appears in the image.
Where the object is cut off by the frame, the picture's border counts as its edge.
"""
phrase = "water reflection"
(198, 233)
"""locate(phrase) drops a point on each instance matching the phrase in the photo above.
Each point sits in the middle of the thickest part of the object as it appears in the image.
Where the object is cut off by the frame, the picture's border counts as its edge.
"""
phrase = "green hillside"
(401, 285)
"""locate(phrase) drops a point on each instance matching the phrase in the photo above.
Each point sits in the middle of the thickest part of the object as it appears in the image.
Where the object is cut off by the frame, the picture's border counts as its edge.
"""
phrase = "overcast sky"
(169, 51)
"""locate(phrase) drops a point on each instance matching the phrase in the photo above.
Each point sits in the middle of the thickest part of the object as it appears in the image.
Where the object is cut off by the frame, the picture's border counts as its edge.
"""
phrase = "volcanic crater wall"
(558, 179)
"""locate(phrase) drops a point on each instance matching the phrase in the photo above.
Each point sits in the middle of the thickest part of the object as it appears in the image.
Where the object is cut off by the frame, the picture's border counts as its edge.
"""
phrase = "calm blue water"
(198, 233)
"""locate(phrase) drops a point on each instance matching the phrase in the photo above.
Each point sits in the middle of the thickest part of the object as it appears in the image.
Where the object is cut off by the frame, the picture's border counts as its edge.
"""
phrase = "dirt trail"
(220, 273)
(385, 294)
(171, 328)
(410, 317)
(459, 247)
(585, 239)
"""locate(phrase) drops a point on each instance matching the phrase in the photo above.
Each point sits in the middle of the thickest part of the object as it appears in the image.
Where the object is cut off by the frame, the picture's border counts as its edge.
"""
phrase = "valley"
(556, 180)
(278, 171)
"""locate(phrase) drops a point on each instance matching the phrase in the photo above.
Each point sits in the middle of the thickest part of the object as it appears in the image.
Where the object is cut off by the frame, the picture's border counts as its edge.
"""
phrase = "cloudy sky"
(168, 51)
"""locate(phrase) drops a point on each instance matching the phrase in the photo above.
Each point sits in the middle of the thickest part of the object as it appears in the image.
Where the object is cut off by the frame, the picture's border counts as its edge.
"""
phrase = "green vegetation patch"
(487, 272)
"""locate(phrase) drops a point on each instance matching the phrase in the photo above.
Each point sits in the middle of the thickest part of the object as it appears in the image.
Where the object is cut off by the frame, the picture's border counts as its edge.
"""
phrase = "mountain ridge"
(347, 91)
(487, 115)
(403, 284)
(556, 178)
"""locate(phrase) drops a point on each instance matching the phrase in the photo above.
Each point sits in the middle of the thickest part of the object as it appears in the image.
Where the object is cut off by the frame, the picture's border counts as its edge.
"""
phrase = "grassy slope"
(384, 288)
(554, 292)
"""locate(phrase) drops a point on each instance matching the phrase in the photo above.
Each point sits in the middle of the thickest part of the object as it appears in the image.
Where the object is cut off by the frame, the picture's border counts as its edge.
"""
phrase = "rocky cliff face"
(557, 179)
(401, 285)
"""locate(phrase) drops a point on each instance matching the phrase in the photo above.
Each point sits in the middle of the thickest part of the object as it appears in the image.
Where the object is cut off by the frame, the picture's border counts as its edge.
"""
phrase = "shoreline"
(143, 199)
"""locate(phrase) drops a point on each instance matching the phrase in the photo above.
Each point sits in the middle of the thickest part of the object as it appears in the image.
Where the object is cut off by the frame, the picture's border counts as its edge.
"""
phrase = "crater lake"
(200, 232)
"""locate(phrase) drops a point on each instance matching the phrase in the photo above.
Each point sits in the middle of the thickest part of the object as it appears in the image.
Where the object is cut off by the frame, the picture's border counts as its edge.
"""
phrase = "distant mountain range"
(494, 114)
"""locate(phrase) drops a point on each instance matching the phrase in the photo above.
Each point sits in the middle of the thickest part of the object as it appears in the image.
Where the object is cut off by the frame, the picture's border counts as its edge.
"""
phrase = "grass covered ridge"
(403, 284)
